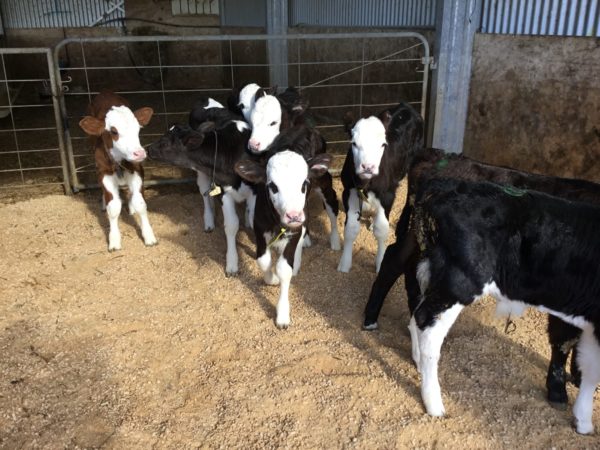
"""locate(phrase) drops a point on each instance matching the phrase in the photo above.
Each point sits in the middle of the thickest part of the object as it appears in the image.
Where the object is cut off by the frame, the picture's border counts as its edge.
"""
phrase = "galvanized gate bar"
(80, 163)
(57, 119)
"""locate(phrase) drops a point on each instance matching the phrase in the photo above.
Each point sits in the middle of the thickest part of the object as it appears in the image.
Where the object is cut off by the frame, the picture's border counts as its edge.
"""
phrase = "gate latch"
(429, 60)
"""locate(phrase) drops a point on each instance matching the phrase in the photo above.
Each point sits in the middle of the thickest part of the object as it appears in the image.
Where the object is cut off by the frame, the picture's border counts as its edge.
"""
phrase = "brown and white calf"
(114, 130)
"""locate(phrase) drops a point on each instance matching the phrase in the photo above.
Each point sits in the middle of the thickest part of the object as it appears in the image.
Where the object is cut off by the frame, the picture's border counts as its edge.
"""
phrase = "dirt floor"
(155, 348)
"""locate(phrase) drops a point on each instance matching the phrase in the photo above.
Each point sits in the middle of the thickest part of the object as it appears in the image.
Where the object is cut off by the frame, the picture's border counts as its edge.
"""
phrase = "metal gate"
(358, 72)
(31, 142)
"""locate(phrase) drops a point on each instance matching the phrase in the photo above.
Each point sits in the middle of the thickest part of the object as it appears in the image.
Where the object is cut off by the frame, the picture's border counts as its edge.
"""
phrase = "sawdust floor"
(155, 348)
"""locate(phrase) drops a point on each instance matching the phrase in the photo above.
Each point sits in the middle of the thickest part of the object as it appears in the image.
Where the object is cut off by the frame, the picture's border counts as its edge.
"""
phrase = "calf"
(524, 248)
(282, 188)
(403, 256)
(114, 130)
(212, 152)
(375, 164)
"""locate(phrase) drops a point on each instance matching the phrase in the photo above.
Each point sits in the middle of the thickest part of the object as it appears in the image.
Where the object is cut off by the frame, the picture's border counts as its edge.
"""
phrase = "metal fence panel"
(541, 17)
(31, 143)
(360, 72)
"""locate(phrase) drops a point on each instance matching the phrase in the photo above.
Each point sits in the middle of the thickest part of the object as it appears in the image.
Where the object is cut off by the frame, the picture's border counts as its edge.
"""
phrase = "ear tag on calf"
(515, 192)
(215, 189)
(441, 163)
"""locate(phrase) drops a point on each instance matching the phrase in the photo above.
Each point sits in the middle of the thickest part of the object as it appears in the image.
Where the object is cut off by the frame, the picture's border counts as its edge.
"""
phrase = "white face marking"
(212, 103)
(368, 144)
(246, 99)
(127, 146)
(287, 175)
(266, 121)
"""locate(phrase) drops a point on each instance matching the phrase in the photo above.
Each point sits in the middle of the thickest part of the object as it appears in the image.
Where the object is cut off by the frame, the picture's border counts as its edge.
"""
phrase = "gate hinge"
(429, 60)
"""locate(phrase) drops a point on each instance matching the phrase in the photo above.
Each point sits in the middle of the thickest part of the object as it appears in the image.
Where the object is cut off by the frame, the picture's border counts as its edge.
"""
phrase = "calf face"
(368, 145)
(173, 147)
(123, 127)
(265, 120)
(287, 177)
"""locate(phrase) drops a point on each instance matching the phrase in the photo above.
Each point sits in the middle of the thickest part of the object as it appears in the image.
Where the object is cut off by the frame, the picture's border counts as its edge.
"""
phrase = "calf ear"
(260, 93)
(206, 127)
(193, 140)
(251, 171)
(386, 119)
(92, 125)
(272, 90)
(319, 164)
(349, 122)
(143, 115)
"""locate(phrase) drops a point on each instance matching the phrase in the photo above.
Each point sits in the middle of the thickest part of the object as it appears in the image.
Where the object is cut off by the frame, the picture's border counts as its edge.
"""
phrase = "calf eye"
(305, 186)
(114, 131)
(272, 124)
(273, 187)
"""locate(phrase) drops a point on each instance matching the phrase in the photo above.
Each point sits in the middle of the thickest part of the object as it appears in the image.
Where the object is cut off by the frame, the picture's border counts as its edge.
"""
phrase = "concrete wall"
(535, 104)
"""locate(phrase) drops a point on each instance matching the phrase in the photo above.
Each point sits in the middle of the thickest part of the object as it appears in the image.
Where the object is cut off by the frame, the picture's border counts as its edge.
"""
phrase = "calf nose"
(369, 168)
(139, 154)
(253, 144)
(294, 217)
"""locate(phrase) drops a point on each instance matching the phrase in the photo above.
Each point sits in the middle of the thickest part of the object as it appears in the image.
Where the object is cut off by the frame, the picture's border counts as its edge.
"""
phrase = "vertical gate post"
(456, 23)
(277, 23)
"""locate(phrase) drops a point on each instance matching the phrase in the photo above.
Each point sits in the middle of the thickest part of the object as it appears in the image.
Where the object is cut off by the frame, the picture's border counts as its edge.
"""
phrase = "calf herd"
(467, 229)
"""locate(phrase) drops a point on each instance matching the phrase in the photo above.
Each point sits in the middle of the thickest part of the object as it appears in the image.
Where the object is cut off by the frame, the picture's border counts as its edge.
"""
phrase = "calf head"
(287, 177)
(265, 120)
(120, 128)
(404, 126)
(177, 143)
(368, 144)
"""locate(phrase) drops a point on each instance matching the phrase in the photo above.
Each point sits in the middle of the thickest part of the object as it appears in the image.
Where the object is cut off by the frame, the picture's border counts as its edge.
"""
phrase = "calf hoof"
(151, 242)
(558, 399)
(209, 229)
(112, 249)
(282, 325)
(231, 274)
(344, 268)
(370, 326)
(583, 427)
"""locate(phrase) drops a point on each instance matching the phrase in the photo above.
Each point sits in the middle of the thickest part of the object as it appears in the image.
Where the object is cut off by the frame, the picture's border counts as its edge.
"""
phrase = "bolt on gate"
(361, 73)
(31, 140)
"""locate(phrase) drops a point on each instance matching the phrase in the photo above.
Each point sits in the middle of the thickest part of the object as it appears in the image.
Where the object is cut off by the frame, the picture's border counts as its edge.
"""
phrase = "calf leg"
(284, 273)
(351, 230)
(563, 338)
(204, 187)
(431, 337)
(232, 225)
(110, 186)
(381, 229)
(588, 359)
(138, 205)
(249, 217)
(298, 254)
(331, 204)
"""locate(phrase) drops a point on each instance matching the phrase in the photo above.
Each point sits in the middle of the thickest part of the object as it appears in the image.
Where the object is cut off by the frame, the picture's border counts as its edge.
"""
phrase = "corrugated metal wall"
(57, 13)
(541, 17)
(243, 13)
(360, 13)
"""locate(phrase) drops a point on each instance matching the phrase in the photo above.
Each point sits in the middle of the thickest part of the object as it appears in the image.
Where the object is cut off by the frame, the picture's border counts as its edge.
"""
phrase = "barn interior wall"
(535, 104)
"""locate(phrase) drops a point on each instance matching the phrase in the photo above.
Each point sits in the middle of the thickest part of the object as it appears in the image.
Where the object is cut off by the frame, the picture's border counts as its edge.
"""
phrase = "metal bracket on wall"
(429, 60)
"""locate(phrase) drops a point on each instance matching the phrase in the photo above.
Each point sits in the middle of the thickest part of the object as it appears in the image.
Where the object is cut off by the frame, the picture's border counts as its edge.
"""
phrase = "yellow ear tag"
(215, 190)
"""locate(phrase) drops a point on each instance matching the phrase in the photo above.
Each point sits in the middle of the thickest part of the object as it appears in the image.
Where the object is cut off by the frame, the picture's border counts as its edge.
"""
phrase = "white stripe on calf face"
(266, 121)
(287, 175)
(124, 128)
(368, 144)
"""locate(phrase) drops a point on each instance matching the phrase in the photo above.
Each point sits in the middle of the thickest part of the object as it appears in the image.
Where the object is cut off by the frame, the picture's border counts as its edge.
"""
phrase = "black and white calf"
(523, 248)
(272, 114)
(282, 188)
(241, 101)
(374, 166)
(212, 152)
